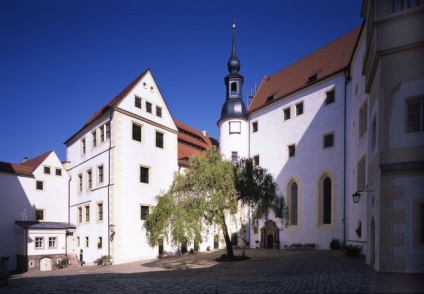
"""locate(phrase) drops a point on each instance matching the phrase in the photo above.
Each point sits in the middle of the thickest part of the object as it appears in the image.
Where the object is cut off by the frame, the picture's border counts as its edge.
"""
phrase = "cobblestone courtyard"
(268, 271)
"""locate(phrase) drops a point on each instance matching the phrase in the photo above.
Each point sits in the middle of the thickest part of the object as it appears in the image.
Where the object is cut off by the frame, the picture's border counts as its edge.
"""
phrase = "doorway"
(45, 264)
(269, 241)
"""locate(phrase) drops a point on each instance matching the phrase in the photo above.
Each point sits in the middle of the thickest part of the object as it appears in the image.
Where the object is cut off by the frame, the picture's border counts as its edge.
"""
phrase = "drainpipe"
(346, 76)
(248, 155)
(108, 185)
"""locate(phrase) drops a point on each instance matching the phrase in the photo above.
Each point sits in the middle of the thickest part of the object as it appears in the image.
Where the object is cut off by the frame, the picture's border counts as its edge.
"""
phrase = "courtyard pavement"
(267, 271)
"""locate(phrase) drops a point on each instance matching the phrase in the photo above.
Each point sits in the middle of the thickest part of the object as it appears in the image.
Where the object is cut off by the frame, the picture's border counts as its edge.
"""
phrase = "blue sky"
(61, 60)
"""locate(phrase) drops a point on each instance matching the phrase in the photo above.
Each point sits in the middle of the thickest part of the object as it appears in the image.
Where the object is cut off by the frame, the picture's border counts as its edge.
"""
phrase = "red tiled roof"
(111, 103)
(24, 168)
(327, 61)
(191, 142)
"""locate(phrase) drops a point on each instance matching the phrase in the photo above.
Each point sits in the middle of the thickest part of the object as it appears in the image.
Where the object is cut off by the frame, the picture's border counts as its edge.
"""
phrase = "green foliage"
(208, 192)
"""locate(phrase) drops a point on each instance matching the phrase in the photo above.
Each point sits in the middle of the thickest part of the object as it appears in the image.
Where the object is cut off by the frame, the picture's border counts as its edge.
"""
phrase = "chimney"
(25, 159)
(204, 133)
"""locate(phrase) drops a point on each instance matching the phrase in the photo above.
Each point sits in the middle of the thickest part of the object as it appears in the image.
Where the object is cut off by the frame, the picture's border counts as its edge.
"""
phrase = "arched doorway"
(45, 264)
(270, 235)
(269, 241)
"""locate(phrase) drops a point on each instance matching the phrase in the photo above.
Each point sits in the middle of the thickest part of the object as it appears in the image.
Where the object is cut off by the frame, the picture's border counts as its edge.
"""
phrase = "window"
(78, 242)
(52, 242)
(39, 242)
(233, 88)
(360, 185)
(291, 150)
(158, 111)
(415, 114)
(87, 213)
(328, 140)
(293, 204)
(286, 113)
(234, 156)
(159, 140)
(148, 107)
(79, 182)
(107, 130)
(144, 174)
(79, 214)
(144, 212)
(87, 242)
(100, 211)
(102, 133)
(83, 146)
(94, 134)
(256, 160)
(299, 108)
(400, 5)
(136, 132)
(235, 127)
(58, 172)
(373, 133)
(137, 102)
(312, 79)
(327, 201)
(39, 214)
(89, 179)
(100, 243)
(329, 97)
(363, 119)
(47, 170)
(39, 185)
(100, 173)
(420, 223)
(255, 126)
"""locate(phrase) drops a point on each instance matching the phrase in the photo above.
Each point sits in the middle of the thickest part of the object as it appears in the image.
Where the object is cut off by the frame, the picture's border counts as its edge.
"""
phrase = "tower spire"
(234, 62)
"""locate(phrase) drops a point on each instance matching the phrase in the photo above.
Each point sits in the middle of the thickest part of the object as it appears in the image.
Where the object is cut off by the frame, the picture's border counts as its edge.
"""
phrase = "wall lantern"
(112, 228)
(357, 195)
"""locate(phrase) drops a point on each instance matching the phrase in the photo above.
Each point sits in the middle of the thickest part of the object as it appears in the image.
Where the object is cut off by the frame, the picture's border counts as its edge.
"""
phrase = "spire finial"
(234, 23)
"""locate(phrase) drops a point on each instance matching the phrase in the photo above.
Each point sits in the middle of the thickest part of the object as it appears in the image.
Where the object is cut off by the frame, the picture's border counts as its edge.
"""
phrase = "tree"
(208, 192)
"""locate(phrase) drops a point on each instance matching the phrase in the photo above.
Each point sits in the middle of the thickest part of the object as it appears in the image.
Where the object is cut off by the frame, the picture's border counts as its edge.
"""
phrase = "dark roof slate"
(45, 225)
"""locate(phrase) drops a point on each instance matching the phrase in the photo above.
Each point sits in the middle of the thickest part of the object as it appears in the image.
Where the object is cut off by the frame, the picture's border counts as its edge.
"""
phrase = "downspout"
(69, 200)
(248, 155)
(346, 76)
(108, 185)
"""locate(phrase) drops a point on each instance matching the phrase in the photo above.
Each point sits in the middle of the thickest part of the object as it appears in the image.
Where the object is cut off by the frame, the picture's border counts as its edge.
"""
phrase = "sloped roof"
(111, 103)
(191, 142)
(317, 66)
(45, 225)
(24, 168)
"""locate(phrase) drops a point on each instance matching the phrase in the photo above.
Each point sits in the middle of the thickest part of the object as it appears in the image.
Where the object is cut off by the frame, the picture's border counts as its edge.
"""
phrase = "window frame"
(149, 107)
(286, 113)
(324, 140)
(160, 140)
(137, 102)
(87, 213)
(37, 244)
(79, 214)
(327, 99)
(89, 179)
(100, 174)
(234, 127)
(58, 172)
(94, 138)
(137, 130)
(298, 108)
(158, 111)
(420, 113)
(39, 185)
(100, 211)
(37, 211)
(234, 156)
(290, 148)
(54, 241)
(144, 174)
(47, 170)
(144, 213)
(255, 127)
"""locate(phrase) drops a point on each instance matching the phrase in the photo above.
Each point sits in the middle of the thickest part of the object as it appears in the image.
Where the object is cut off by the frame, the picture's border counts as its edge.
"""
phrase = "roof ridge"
(35, 162)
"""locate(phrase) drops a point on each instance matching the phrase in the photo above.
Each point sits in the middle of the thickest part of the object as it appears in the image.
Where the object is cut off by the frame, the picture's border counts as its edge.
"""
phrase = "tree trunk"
(227, 238)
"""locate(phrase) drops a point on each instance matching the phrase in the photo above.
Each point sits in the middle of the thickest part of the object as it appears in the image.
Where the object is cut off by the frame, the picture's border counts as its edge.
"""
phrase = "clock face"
(235, 127)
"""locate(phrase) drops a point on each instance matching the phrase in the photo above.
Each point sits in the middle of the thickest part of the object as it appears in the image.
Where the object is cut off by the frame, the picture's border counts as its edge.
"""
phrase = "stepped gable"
(317, 66)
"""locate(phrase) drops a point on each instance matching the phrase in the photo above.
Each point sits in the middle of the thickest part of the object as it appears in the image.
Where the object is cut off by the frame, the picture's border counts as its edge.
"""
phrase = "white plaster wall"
(20, 198)
(233, 142)
(311, 160)
(356, 148)
(60, 238)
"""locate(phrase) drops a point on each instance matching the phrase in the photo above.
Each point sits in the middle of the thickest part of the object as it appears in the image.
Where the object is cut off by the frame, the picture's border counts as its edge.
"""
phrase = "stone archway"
(270, 235)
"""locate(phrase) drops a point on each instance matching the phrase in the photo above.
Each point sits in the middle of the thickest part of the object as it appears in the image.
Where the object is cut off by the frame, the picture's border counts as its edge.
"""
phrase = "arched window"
(326, 205)
(293, 204)
(233, 88)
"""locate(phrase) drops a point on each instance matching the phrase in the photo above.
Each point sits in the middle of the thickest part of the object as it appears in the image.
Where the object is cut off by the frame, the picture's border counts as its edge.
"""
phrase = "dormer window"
(312, 79)
(269, 99)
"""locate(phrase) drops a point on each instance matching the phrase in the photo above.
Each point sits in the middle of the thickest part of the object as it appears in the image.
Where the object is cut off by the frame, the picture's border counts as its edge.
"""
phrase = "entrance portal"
(269, 241)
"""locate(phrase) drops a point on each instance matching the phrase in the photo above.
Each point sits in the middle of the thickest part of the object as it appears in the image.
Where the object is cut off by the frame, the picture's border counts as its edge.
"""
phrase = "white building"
(34, 212)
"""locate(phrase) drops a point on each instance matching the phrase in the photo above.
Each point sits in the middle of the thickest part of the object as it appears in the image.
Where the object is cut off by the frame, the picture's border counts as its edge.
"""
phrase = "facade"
(345, 120)
(34, 212)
